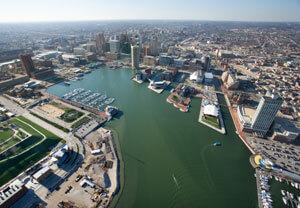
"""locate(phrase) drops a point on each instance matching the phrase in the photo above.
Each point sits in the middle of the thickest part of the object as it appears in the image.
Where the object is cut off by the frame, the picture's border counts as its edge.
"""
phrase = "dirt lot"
(52, 110)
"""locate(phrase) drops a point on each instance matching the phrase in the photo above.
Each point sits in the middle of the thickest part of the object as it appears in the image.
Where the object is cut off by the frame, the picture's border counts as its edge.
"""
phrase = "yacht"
(284, 200)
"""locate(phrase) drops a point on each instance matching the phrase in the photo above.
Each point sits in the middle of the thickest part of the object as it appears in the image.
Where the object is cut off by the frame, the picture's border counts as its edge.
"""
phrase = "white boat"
(283, 192)
(284, 200)
(292, 184)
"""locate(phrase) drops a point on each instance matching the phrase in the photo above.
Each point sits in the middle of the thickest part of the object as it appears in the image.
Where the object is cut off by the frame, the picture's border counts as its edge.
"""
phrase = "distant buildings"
(135, 57)
(265, 113)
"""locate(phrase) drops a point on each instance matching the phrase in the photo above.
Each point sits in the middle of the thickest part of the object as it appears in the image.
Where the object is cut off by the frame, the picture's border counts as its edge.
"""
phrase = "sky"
(80, 10)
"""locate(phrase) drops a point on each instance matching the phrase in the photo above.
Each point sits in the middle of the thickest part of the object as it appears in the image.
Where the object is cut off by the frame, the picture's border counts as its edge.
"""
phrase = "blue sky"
(73, 10)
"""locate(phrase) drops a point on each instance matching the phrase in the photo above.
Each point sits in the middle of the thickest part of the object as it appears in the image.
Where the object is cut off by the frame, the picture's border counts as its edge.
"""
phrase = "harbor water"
(169, 158)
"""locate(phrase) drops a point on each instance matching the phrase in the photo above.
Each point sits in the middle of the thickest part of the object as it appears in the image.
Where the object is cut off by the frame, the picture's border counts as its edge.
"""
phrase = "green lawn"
(9, 143)
(14, 166)
(25, 127)
(51, 123)
(47, 133)
(5, 134)
(212, 121)
(71, 115)
(78, 123)
(21, 147)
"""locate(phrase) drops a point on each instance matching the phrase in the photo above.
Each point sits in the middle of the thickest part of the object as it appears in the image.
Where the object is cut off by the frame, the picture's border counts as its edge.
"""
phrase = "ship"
(217, 144)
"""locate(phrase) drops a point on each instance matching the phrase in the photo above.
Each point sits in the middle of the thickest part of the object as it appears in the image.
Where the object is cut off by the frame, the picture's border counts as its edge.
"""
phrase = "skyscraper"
(114, 46)
(135, 57)
(266, 112)
(154, 47)
(27, 63)
(207, 63)
(100, 44)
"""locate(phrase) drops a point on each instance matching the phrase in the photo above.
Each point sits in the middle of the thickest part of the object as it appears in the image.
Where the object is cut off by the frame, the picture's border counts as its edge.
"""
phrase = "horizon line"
(122, 20)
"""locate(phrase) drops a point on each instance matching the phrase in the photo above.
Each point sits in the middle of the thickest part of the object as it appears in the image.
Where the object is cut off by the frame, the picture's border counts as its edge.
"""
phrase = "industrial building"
(42, 173)
(11, 193)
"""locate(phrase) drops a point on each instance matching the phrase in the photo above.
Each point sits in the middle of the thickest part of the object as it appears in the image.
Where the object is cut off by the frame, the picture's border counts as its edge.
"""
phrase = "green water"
(168, 156)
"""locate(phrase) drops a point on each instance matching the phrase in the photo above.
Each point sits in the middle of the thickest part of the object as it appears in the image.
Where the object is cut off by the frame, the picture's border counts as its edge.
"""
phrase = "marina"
(88, 98)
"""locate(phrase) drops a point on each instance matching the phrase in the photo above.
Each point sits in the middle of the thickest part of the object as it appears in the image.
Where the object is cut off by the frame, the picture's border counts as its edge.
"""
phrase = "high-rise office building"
(265, 113)
(154, 47)
(27, 63)
(114, 46)
(135, 57)
(100, 44)
(206, 63)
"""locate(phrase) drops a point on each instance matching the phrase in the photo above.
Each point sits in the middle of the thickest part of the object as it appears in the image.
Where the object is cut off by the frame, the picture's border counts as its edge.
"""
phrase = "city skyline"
(216, 10)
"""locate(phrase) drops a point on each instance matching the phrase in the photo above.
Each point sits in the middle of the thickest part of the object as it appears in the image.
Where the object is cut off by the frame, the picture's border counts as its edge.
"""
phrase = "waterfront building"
(100, 44)
(114, 46)
(157, 83)
(135, 57)
(265, 113)
(210, 110)
(27, 63)
(11, 193)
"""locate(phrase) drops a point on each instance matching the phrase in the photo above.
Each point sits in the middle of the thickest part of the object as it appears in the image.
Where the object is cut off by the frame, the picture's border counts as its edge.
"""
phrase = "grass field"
(25, 127)
(9, 143)
(78, 123)
(14, 166)
(51, 123)
(5, 134)
(212, 121)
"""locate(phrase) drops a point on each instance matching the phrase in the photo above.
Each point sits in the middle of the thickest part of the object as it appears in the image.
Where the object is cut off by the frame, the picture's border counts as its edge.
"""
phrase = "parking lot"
(283, 155)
